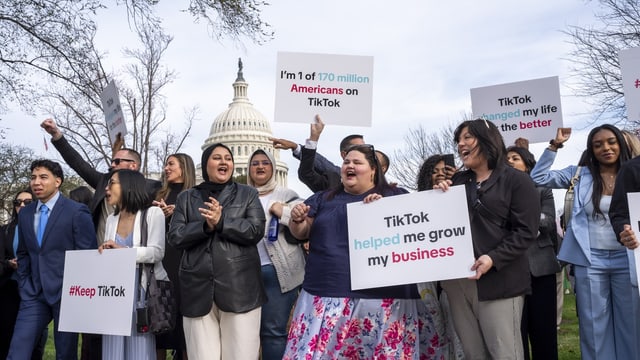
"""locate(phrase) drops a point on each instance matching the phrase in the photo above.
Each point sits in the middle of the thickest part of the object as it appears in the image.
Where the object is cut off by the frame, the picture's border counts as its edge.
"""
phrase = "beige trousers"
(223, 335)
(487, 329)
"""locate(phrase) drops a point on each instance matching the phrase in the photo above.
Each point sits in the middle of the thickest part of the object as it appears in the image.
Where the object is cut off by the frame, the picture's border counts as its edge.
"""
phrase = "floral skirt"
(351, 328)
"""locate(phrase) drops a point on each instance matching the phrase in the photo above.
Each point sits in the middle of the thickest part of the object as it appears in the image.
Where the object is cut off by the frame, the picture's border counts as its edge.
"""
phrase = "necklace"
(608, 181)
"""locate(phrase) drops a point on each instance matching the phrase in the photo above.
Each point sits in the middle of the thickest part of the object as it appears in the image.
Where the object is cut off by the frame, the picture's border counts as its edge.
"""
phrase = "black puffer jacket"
(223, 266)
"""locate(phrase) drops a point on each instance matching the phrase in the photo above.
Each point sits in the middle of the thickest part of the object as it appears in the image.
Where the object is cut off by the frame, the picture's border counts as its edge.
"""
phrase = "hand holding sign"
(563, 134)
(483, 264)
(316, 128)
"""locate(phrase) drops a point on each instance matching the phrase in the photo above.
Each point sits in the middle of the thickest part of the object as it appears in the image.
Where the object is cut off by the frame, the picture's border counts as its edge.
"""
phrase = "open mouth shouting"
(222, 170)
(464, 154)
(350, 173)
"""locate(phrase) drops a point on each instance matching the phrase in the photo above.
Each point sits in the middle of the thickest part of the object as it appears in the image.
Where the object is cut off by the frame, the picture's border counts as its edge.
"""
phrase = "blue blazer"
(575, 248)
(40, 269)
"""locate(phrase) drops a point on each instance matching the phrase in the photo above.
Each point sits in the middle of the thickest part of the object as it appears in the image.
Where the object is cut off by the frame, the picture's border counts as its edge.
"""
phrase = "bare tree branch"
(596, 68)
(419, 144)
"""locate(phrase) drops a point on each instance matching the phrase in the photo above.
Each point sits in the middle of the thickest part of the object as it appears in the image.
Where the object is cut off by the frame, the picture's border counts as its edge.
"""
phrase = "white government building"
(244, 129)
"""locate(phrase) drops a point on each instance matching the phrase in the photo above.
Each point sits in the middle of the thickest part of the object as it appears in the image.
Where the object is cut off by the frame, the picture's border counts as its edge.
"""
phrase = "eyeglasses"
(263, 163)
(112, 182)
(117, 161)
(18, 202)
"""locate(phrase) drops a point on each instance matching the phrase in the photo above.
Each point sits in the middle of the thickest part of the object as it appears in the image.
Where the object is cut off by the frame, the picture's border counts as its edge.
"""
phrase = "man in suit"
(315, 170)
(123, 159)
(47, 229)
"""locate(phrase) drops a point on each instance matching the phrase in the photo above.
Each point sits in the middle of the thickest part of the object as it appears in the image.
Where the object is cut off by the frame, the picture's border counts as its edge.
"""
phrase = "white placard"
(113, 114)
(630, 68)
(411, 238)
(337, 87)
(633, 199)
(98, 291)
(529, 109)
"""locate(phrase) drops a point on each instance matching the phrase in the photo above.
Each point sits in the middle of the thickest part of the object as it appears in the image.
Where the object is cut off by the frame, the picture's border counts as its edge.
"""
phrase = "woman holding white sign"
(606, 302)
(331, 320)
(126, 191)
(504, 210)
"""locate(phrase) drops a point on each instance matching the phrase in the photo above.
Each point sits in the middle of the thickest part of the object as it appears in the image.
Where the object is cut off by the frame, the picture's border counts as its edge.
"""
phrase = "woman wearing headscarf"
(281, 256)
(217, 225)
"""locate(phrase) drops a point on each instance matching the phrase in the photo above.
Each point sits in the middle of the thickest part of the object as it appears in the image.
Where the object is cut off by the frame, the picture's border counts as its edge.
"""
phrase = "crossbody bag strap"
(575, 178)
(143, 243)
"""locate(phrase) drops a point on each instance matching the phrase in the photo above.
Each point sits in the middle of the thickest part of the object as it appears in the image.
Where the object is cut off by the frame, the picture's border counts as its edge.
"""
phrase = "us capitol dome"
(244, 130)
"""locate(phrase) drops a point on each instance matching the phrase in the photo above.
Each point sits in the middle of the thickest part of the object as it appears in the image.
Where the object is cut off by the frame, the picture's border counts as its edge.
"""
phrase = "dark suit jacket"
(40, 268)
(628, 180)
(311, 175)
(97, 180)
(6, 252)
(542, 253)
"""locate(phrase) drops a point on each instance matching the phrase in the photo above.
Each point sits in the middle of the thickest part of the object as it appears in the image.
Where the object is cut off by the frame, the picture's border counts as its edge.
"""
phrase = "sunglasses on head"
(18, 202)
(117, 161)
(367, 147)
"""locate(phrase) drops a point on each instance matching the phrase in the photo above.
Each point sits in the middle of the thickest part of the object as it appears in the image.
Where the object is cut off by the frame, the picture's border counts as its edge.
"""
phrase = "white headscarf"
(271, 184)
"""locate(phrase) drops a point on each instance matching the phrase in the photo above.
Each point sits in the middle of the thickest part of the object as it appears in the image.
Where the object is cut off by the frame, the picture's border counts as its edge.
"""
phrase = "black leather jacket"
(222, 266)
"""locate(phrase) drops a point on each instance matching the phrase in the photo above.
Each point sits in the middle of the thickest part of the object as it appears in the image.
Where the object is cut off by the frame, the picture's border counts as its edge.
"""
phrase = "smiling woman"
(504, 210)
(281, 257)
(608, 322)
(390, 322)
(217, 225)
(126, 191)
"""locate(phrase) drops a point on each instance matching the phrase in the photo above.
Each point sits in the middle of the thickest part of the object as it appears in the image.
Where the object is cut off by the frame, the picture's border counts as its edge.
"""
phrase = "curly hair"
(424, 180)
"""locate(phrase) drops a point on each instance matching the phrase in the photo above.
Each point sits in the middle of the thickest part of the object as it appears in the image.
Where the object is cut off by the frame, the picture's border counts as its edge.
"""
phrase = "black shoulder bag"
(160, 310)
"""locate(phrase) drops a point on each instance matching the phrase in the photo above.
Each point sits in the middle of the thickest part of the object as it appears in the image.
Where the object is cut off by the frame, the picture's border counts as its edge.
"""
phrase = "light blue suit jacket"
(575, 248)
(40, 268)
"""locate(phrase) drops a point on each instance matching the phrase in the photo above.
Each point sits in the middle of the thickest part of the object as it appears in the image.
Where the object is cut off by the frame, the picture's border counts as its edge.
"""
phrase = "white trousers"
(221, 335)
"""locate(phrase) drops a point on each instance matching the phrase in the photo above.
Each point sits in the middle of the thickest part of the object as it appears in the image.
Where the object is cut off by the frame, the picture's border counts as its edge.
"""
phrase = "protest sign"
(337, 87)
(630, 69)
(528, 109)
(98, 291)
(411, 238)
(113, 114)
(634, 216)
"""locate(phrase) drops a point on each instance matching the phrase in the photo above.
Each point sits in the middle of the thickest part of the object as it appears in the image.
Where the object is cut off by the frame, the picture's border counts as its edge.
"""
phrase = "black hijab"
(208, 188)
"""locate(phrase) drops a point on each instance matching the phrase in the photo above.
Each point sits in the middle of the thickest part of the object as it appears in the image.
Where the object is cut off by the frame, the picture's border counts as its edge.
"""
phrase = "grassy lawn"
(568, 342)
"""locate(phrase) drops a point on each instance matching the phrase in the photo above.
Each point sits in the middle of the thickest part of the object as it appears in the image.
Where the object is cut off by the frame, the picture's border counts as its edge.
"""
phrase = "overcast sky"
(427, 55)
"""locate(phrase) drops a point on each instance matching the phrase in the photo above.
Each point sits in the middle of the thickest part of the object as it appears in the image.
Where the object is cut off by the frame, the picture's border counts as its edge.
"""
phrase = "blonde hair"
(632, 142)
(188, 174)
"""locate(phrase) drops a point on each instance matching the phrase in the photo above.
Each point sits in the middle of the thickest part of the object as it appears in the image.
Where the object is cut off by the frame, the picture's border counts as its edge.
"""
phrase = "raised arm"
(85, 170)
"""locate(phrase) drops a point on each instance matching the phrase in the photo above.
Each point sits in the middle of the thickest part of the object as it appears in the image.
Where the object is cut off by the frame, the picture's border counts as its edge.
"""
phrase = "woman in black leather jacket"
(217, 225)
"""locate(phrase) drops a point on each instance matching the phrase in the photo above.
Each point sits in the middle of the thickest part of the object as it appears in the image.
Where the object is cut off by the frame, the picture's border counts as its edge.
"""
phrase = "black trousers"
(539, 326)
